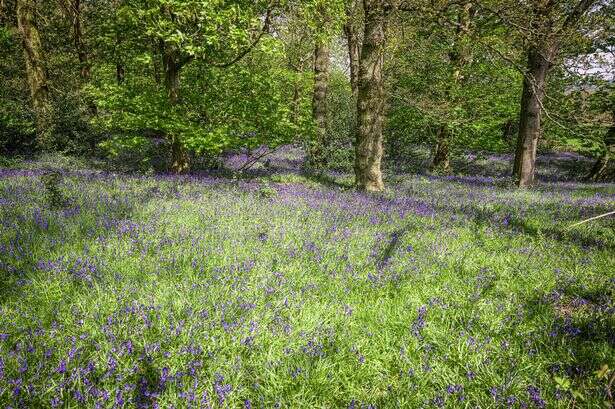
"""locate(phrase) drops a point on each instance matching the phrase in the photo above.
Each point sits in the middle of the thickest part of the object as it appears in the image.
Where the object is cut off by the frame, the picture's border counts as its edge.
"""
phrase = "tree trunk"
(370, 99)
(171, 76)
(82, 54)
(353, 39)
(180, 160)
(35, 70)
(441, 160)
(530, 117)
(319, 104)
(458, 57)
(598, 171)
(354, 45)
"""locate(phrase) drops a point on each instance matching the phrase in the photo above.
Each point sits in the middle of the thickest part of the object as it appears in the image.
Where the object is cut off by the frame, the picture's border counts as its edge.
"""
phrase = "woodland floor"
(283, 290)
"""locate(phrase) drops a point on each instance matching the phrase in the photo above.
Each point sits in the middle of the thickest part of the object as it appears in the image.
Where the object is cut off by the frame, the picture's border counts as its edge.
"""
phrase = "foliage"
(423, 95)
(166, 290)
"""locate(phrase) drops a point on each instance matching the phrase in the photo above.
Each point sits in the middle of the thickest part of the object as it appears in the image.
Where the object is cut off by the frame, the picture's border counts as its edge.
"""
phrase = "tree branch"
(576, 13)
(238, 57)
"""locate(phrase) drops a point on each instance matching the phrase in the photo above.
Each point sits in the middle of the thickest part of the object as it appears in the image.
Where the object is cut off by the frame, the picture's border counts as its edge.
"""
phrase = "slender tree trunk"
(370, 99)
(156, 68)
(530, 117)
(82, 54)
(171, 77)
(354, 46)
(35, 70)
(459, 56)
(295, 104)
(508, 131)
(180, 160)
(319, 103)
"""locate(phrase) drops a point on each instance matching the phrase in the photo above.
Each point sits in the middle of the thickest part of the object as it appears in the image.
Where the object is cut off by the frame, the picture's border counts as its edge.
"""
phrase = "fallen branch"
(593, 218)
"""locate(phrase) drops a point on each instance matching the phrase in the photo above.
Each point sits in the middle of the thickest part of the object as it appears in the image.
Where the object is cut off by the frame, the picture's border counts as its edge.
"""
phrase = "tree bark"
(82, 54)
(458, 57)
(530, 117)
(353, 41)
(508, 132)
(354, 55)
(370, 99)
(120, 71)
(180, 160)
(35, 70)
(319, 103)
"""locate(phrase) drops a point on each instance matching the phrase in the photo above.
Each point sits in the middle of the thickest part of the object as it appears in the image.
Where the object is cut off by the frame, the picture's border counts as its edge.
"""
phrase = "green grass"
(304, 295)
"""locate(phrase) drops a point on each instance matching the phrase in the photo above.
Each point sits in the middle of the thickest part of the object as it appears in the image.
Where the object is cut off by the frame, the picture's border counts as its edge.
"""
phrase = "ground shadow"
(577, 322)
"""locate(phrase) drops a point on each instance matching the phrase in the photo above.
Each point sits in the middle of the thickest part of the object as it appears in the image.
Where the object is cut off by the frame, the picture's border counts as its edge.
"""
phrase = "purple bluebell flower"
(534, 394)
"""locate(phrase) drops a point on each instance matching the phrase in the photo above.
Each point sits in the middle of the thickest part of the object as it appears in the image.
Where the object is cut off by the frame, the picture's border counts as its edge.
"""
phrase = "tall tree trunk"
(354, 54)
(370, 99)
(171, 76)
(35, 70)
(82, 54)
(156, 67)
(353, 41)
(459, 56)
(180, 160)
(295, 104)
(319, 103)
(72, 11)
(530, 116)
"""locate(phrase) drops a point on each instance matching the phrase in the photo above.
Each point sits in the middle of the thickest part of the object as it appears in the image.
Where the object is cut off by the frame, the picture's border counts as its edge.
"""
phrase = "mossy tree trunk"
(441, 159)
(35, 71)
(318, 147)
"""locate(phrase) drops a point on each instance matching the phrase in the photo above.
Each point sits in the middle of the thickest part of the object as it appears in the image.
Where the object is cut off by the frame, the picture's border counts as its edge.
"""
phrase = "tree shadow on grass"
(149, 384)
(580, 337)
(600, 235)
(395, 239)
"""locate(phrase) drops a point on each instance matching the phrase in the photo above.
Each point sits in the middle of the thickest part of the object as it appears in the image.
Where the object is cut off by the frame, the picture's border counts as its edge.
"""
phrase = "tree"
(36, 73)
(371, 98)
(353, 12)
(213, 34)
(73, 12)
(458, 56)
(551, 22)
(323, 20)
